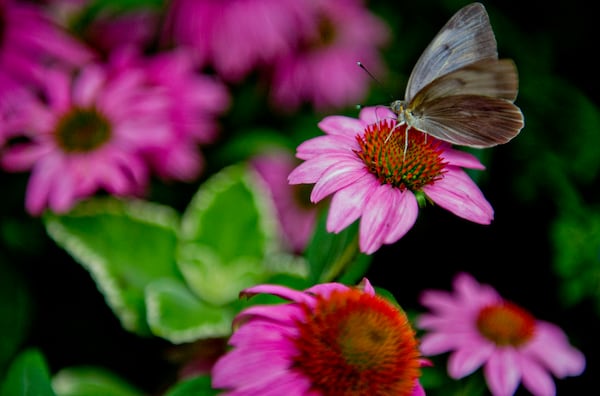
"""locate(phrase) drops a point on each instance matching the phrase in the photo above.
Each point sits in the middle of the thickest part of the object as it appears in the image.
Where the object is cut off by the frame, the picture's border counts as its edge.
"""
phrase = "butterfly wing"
(466, 38)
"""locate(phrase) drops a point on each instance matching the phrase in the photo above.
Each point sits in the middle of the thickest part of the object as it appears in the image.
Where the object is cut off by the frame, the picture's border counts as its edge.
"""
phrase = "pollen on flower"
(506, 324)
(82, 130)
(354, 343)
(406, 159)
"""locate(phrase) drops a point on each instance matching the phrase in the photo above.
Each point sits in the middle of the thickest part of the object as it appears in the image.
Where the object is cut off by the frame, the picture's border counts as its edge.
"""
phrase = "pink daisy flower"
(323, 70)
(379, 172)
(86, 136)
(480, 328)
(30, 41)
(195, 102)
(297, 216)
(330, 339)
(236, 36)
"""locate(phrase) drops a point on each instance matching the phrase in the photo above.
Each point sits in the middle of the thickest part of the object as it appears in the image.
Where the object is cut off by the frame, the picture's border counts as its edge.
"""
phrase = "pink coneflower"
(30, 41)
(323, 70)
(297, 216)
(195, 101)
(330, 340)
(480, 328)
(236, 36)
(376, 174)
(86, 136)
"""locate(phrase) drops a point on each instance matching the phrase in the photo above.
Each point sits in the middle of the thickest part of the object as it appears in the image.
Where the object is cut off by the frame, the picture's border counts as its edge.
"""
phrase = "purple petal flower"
(374, 173)
(479, 328)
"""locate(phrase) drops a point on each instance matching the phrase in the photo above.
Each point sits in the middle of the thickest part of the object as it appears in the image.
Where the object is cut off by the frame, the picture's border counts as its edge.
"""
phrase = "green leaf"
(27, 376)
(125, 246)
(197, 386)
(335, 256)
(15, 312)
(91, 381)
(227, 234)
(176, 314)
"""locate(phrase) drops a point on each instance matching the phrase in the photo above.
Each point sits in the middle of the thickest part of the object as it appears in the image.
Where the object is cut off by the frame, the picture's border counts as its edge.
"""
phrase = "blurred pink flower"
(376, 174)
(236, 36)
(195, 102)
(328, 339)
(480, 328)
(86, 136)
(30, 41)
(297, 216)
(323, 71)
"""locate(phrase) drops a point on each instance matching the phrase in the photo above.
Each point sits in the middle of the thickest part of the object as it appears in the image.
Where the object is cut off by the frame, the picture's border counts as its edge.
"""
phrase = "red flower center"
(506, 324)
(82, 130)
(354, 343)
(406, 159)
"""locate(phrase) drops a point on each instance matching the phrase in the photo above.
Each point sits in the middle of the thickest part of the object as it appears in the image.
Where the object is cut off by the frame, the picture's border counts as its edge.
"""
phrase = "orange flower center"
(506, 324)
(356, 344)
(82, 130)
(406, 159)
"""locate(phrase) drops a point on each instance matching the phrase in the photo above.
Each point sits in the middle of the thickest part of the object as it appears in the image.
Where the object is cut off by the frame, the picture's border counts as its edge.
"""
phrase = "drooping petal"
(348, 203)
(468, 358)
(403, 216)
(502, 372)
(536, 378)
(461, 159)
(457, 193)
(339, 175)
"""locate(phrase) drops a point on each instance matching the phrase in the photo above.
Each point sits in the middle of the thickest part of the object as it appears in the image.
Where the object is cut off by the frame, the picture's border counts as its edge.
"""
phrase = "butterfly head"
(399, 107)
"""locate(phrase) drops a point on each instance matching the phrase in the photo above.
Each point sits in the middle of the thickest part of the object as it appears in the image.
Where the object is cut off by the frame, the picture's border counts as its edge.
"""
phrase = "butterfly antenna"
(360, 64)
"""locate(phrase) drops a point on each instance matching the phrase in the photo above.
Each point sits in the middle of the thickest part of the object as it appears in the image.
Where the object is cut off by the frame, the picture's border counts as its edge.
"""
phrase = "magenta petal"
(418, 391)
(336, 177)
(537, 379)
(403, 216)
(341, 125)
(284, 314)
(461, 159)
(310, 171)
(467, 359)
(347, 204)
(457, 193)
(375, 223)
(279, 291)
(374, 114)
(326, 145)
(502, 372)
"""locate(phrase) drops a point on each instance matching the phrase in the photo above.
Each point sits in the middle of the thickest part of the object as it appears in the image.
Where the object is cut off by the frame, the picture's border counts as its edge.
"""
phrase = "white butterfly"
(459, 91)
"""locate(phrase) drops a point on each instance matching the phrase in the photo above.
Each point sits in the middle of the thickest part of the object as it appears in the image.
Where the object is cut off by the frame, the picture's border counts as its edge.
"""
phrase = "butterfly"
(459, 91)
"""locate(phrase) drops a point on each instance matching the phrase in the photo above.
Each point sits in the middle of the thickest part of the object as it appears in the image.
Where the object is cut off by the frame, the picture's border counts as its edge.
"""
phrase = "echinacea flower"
(236, 36)
(376, 169)
(30, 41)
(480, 328)
(296, 215)
(195, 100)
(322, 71)
(85, 134)
(330, 339)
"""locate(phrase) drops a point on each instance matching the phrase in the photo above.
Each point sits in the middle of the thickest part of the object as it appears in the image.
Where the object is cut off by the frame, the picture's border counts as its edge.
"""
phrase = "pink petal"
(285, 314)
(339, 175)
(347, 204)
(551, 347)
(341, 125)
(403, 217)
(279, 291)
(536, 378)
(502, 372)
(457, 193)
(383, 219)
(374, 114)
(461, 159)
(310, 171)
(87, 86)
(468, 358)
(326, 145)
(289, 383)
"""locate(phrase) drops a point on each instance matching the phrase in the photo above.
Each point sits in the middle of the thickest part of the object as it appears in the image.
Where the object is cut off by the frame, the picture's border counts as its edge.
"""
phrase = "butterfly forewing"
(466, 38)
(469, 120)
(488, 77)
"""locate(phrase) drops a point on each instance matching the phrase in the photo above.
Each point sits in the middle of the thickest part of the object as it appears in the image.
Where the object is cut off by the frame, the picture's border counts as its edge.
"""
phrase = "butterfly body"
(459, 91)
